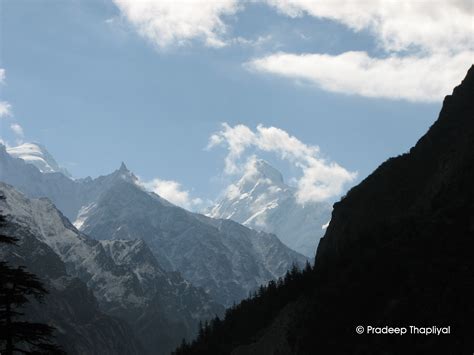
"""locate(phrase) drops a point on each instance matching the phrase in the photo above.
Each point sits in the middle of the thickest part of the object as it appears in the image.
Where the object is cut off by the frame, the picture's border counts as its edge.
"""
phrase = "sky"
(186, 93)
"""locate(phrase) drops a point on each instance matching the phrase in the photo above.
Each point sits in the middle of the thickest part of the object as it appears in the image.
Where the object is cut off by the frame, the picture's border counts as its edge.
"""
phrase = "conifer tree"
(17, 287)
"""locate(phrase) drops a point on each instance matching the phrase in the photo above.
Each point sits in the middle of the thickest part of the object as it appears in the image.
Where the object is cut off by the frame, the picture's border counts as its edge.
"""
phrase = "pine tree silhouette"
(17, 287)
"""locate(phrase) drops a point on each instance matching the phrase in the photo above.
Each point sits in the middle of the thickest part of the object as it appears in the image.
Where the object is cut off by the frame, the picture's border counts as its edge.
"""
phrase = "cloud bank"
(443, 26)
(320, 180)
(419, 38)
(438, 37)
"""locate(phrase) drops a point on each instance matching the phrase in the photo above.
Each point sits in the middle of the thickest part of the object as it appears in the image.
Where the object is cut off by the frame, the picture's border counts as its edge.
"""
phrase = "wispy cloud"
(257, 42)
(320, 180)
(170, 22)
(173, 192)
(6, 112)
(18, 131)
(5, 109)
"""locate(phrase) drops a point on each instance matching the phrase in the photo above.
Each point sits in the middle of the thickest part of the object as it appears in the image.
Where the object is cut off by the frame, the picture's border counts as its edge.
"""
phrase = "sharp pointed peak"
(123, 173)
(123, 168)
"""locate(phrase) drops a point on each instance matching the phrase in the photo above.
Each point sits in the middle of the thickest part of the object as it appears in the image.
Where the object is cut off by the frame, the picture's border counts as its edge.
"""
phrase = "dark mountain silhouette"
(398, 253)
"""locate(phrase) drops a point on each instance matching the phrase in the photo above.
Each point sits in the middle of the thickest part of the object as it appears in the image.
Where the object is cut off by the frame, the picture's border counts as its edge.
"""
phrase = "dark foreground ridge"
(397, 253)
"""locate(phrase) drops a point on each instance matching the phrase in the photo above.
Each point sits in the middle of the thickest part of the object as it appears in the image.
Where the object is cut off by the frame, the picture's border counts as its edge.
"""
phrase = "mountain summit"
(37, 155)
(261, 200)
(262, 169)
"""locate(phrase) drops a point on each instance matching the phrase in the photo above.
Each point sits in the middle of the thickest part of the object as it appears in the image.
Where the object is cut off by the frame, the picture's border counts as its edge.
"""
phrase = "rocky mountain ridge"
(227, 262)
(124, 276)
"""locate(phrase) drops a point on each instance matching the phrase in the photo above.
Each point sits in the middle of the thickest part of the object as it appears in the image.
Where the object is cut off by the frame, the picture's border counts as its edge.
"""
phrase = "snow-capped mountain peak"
(260, 188)
(37, 155)
(260, 169)
(260, 179)
(261, 200)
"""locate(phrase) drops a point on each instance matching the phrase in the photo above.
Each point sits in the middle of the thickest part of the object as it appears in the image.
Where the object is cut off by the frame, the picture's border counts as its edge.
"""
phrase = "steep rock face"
(82, 328)
(124, 276)
(397, 253)
(428, 182)
(404, 234)
(262, 201)
(225, 258)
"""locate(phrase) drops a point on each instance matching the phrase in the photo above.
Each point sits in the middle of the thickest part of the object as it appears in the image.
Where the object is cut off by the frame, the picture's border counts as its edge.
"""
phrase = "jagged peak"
(123, 168)
(258, 169)
(124, 174)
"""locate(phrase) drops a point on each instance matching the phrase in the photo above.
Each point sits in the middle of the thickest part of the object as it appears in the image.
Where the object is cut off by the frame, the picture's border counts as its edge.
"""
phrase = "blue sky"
(100, 82)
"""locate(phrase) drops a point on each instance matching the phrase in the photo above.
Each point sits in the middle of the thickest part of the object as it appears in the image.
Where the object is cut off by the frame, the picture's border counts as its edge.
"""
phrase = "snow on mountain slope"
(262, 201)
(125, 276)
(37, 155)
(68, 195)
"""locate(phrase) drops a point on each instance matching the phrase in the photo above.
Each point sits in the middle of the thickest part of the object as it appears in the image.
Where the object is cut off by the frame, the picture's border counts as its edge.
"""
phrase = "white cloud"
(411, 78)
(5, 109)
(397, 25)
(172, 22)
(438, 37)
(238, 139)
(259, 41)
(18, 131)
(173, 192)
(320, 179)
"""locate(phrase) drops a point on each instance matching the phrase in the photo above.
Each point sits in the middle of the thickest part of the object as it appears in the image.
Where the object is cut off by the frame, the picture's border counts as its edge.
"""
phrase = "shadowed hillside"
(398, 252)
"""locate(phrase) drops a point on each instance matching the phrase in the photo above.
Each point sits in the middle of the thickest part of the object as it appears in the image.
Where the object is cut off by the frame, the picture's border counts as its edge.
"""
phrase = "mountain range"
(144, 262)
(126, 280)
(116, 206)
